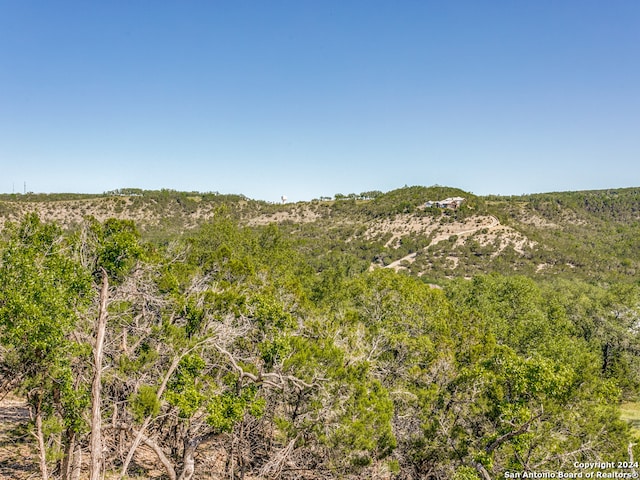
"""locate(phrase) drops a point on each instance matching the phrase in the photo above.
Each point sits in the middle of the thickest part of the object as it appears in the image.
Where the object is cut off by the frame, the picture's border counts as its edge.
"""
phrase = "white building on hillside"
(451, 202)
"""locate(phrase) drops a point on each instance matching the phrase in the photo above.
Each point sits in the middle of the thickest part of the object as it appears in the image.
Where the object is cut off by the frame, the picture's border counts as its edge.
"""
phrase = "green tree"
(44, 294)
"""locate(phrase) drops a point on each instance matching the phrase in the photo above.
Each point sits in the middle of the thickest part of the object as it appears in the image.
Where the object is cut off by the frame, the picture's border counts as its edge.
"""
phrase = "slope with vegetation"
(242, 339)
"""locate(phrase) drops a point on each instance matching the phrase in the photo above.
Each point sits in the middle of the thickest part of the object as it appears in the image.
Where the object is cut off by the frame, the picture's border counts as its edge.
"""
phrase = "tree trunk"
(77, 463)
(67, 461)
(481, 470)
(188, 459)
(171, 472)
(42, 452)
(96, 386)
(229, 467)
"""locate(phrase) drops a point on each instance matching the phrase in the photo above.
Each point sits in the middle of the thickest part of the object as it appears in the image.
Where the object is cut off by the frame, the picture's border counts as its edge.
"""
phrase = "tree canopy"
(244, 344)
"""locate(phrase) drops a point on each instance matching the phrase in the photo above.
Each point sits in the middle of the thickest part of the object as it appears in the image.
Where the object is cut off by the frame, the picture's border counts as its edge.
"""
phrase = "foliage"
(280, 347)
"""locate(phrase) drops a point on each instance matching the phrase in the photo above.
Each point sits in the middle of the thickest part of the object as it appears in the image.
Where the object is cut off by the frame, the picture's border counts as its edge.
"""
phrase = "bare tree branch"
(96, 386)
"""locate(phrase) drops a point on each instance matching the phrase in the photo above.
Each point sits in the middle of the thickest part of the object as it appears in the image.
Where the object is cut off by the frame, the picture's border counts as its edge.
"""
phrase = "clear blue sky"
(309, 98)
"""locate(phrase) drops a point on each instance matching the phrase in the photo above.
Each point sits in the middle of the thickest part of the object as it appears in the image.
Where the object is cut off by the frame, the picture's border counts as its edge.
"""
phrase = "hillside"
(591, 234)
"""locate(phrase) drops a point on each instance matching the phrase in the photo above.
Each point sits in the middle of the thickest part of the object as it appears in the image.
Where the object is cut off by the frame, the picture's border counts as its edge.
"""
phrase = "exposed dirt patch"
(536, 221)
(400, 226)
(502, 236)
(406, 225)
(466, 228)
(18, 459)
(486, 230)
(297, 215)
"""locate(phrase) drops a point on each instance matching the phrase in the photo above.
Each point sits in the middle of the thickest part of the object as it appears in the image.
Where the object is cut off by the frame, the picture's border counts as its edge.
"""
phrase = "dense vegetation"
(239, 349)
